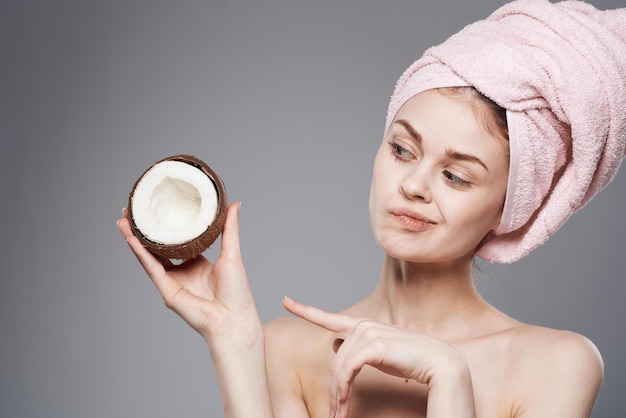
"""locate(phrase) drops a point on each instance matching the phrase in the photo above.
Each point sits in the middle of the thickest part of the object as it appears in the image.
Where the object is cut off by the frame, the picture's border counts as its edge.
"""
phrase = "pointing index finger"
(334, 322)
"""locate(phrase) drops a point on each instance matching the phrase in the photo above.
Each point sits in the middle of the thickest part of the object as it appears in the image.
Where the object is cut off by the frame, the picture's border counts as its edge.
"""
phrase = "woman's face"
(439, 181)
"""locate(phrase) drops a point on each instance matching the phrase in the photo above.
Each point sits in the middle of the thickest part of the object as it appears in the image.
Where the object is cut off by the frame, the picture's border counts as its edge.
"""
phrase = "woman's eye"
(456, 181)
(399, 152)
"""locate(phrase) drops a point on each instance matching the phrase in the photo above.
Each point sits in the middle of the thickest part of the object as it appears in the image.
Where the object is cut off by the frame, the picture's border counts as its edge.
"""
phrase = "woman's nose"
(416, 185)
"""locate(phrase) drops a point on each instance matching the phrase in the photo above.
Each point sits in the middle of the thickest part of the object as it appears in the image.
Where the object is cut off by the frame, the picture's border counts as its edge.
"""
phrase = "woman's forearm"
(239, 363)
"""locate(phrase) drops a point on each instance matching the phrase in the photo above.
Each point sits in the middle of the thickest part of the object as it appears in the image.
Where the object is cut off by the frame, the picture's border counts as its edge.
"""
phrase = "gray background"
(286, 101)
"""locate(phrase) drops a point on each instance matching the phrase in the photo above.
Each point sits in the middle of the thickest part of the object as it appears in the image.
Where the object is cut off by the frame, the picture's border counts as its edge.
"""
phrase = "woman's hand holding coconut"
(215, 299)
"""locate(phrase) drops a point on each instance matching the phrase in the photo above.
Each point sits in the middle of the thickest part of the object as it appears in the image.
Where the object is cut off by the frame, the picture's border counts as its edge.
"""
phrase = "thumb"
(230, 235)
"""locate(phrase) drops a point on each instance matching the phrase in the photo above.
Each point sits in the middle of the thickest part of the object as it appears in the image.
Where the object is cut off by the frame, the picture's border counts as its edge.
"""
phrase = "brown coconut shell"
(193, 248)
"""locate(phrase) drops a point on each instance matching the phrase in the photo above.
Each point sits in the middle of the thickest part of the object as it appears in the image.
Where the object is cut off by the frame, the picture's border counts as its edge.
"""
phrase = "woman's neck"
(434, 299)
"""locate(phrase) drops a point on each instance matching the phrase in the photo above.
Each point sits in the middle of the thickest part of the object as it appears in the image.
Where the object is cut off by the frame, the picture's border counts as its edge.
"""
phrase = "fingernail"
(331, 413)
(288, 301)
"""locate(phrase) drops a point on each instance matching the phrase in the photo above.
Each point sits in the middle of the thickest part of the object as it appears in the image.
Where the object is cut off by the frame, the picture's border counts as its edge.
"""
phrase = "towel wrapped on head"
(559, 70)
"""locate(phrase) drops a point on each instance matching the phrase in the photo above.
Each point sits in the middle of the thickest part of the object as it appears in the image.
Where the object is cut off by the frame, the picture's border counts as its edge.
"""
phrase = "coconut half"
(177, 207)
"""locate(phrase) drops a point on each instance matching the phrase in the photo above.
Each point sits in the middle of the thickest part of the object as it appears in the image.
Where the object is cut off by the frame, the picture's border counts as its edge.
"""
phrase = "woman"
(450, 181)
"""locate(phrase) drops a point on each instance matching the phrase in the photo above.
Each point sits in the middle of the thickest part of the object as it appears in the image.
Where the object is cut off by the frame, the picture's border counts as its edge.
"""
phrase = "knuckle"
(367, 329)
(379, 344)
(168, 302)
(363, 325)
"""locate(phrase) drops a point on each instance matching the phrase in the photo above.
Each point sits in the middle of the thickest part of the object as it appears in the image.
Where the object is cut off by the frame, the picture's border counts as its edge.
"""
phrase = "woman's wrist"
(450, 389)
(239, 363)
(239, 338)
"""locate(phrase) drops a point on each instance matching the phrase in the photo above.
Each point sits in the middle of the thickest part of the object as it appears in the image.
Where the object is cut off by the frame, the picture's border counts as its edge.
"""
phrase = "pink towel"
(560, 71)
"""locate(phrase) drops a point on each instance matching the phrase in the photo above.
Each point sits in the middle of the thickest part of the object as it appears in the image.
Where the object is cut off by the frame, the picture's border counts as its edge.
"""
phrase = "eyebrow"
(409, 128)
(455, 155)
(465, 157)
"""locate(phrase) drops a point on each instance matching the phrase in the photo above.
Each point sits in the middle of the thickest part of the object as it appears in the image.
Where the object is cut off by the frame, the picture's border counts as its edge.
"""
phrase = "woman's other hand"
(395, 351)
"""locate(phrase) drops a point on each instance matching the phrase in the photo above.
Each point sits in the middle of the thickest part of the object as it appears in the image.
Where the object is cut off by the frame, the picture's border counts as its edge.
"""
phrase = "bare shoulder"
(297, 344)
(293, 334)
(297, 356)
(286, 325)
(561, 372)
(550, 348)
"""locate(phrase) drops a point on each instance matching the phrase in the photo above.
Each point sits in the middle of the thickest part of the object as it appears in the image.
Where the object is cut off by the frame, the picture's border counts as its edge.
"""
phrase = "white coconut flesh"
(174, 202)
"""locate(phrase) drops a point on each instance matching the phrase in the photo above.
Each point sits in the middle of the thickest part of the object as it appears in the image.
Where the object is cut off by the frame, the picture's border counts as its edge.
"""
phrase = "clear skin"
(423, 343)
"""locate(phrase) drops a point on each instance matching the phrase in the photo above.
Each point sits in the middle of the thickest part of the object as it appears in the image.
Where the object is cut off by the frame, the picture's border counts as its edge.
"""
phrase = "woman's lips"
(412, 221)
